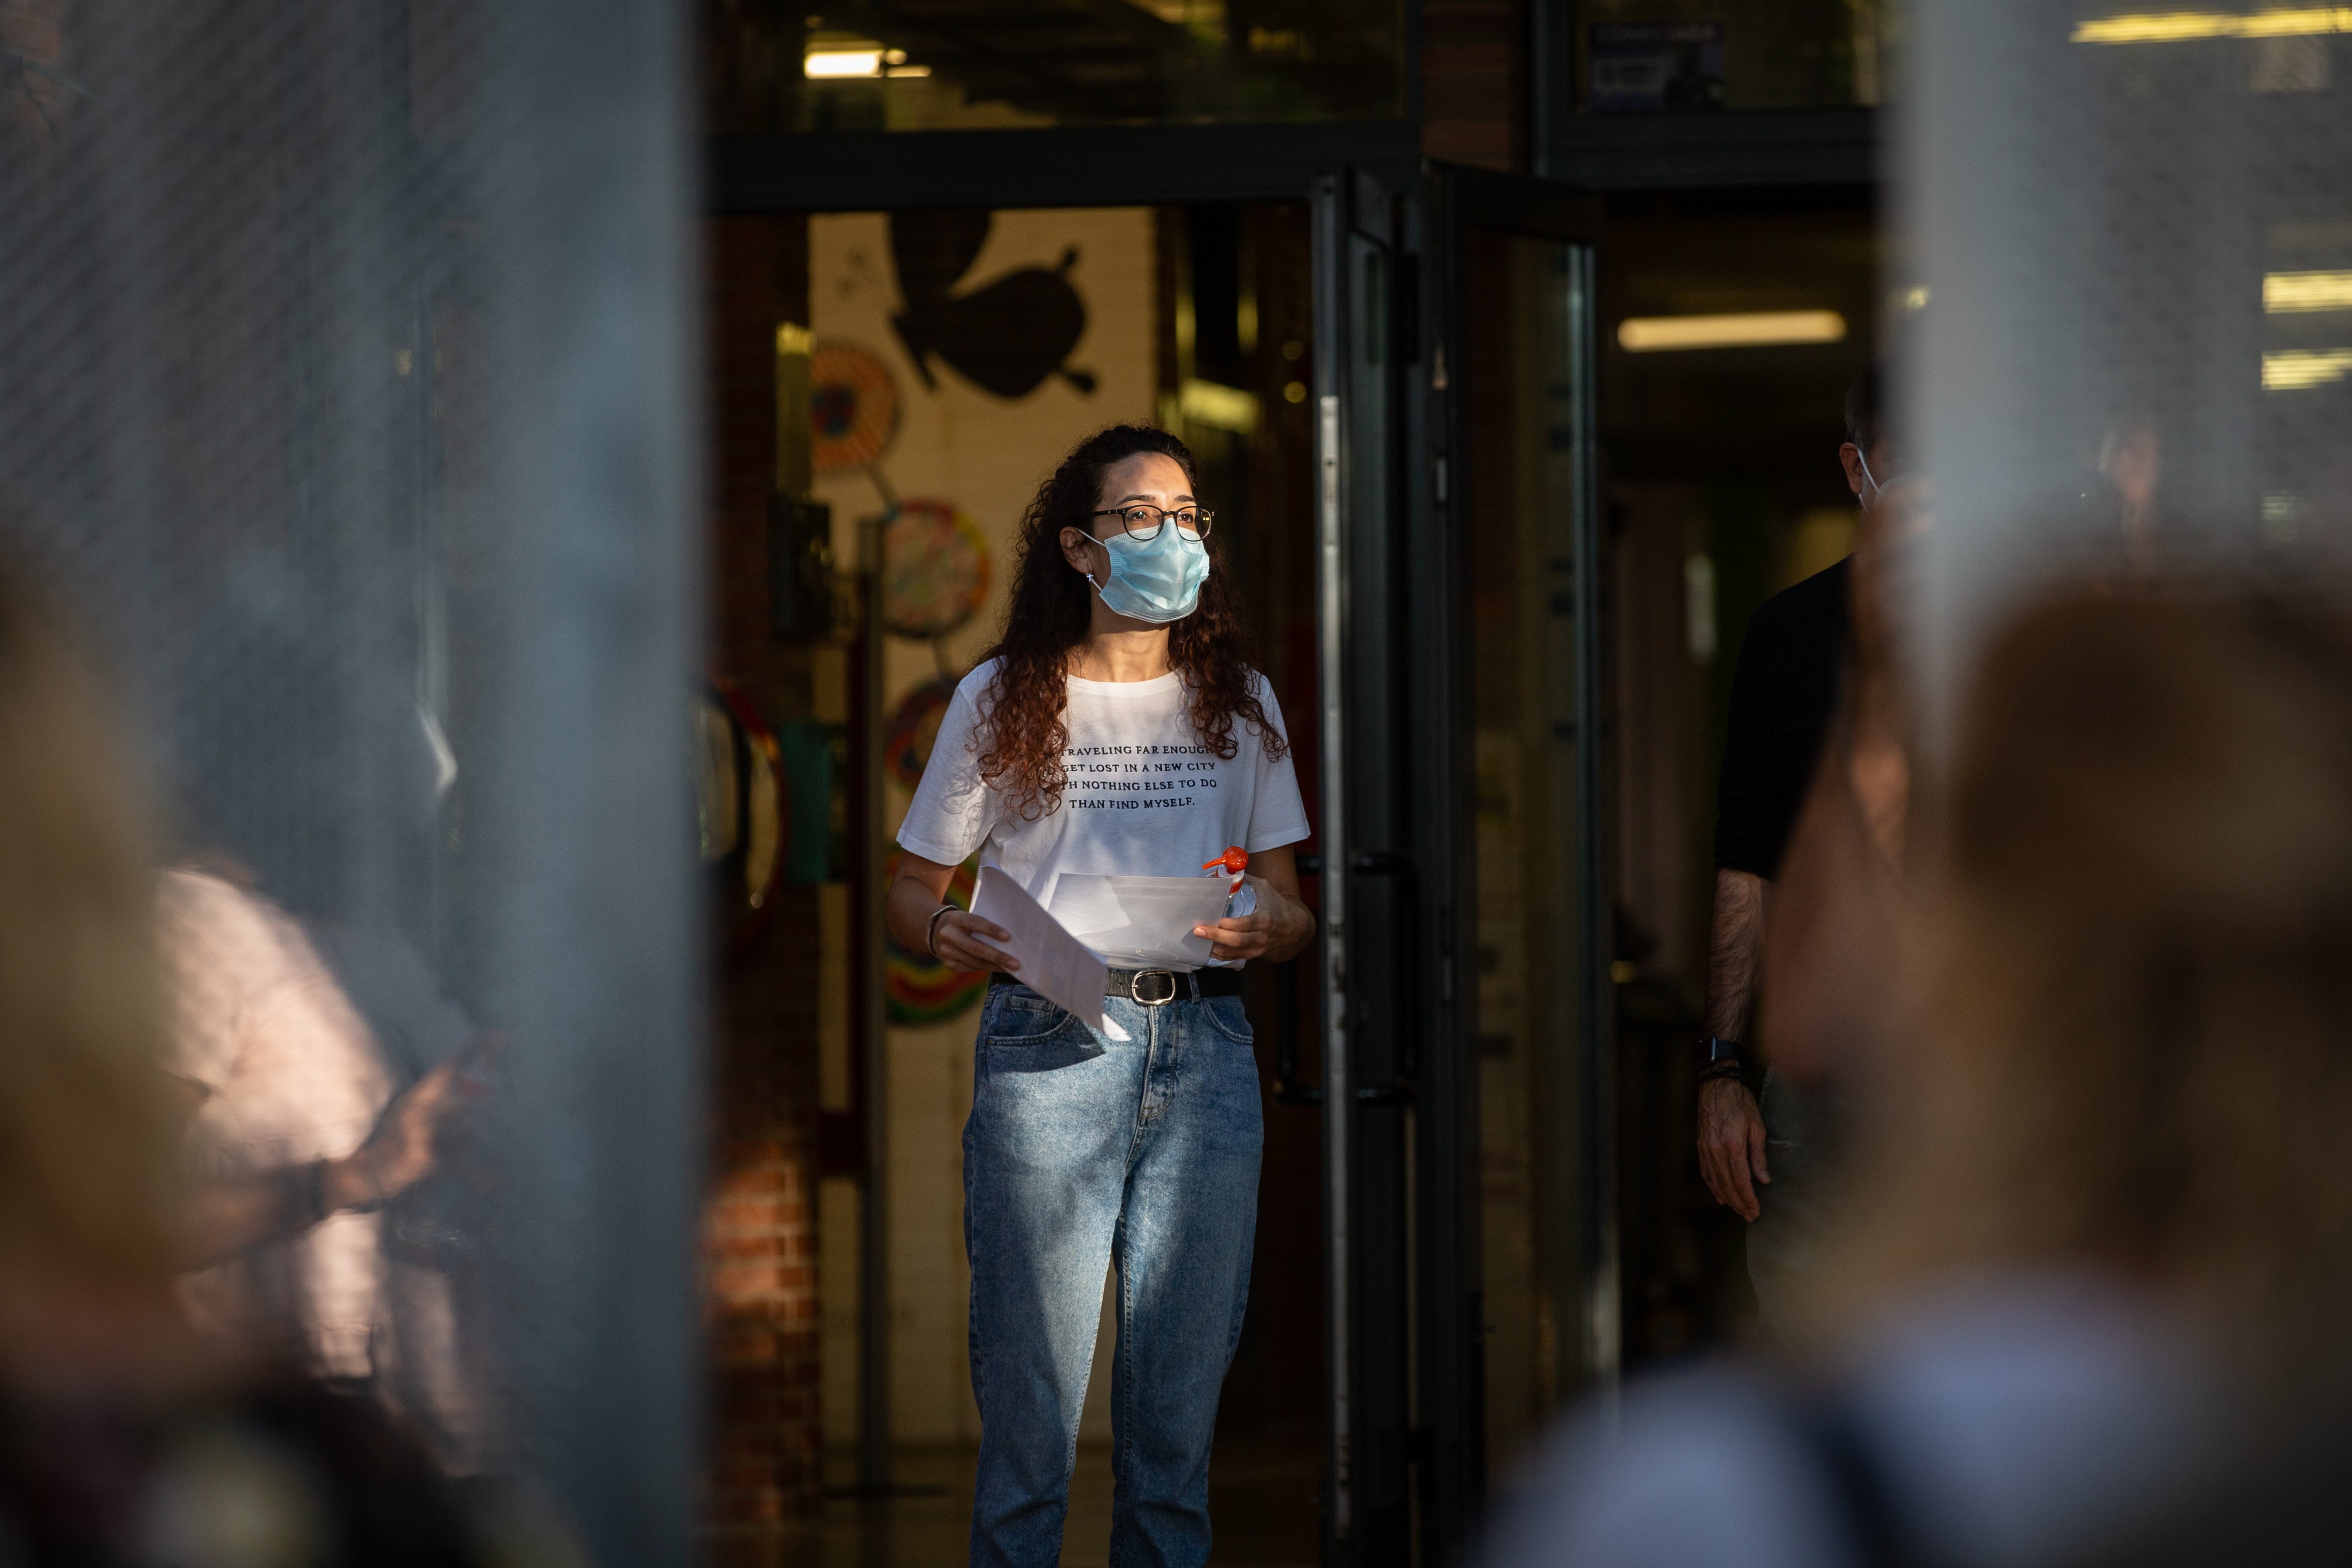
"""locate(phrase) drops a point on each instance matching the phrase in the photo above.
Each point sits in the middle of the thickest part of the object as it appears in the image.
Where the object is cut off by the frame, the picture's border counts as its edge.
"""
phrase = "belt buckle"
(1135, 987)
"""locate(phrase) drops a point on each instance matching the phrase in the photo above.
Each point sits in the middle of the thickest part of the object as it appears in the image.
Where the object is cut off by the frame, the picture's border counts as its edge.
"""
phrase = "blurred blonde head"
(2133, 964)
(88, 1129)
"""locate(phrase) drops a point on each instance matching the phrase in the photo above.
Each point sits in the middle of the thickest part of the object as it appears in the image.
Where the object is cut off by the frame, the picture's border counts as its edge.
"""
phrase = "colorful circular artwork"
(741, 806)
(921, 989)
(853, 403)
(934, 568)
(906, 739)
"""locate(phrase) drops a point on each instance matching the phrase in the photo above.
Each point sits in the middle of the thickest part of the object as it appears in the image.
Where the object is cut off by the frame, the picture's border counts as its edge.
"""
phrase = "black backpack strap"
(1877, 1534)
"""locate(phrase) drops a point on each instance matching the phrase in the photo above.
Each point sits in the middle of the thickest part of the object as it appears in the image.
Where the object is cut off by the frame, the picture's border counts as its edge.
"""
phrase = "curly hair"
(1025, 723)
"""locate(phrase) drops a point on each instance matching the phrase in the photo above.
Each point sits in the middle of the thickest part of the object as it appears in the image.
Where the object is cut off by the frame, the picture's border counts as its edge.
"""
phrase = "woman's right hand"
(958, 940)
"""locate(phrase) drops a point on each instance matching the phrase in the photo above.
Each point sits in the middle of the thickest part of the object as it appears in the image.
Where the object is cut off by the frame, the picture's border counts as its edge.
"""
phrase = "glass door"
(1470, 1249)
(1371, 963)
(1537, 921)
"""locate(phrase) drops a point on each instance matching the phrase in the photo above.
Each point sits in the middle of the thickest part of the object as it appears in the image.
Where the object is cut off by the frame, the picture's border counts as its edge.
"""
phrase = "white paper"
(1142, 922)
(1082, 903)
(1053, 964)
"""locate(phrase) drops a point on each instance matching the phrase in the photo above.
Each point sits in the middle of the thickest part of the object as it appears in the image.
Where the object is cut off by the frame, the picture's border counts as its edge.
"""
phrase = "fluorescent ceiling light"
(2180, 27)
(1225, 407)
(836, 62)
(2286, 293)
(2289, 370)
(1755, 330)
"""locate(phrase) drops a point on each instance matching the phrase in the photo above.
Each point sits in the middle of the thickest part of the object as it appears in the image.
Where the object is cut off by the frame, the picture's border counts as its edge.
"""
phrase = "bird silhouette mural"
(1006, 338)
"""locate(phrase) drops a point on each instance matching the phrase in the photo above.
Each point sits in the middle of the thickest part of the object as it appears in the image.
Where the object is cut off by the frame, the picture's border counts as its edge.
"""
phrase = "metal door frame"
(1406, 841)
(1396, 826)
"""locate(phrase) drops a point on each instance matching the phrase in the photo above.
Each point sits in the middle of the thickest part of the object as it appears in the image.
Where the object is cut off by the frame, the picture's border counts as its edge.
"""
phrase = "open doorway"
(931, 411)
(1724, 488)
(951, 358)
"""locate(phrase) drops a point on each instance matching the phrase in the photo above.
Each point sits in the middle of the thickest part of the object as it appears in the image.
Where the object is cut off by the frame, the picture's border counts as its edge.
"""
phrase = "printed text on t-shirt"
(1137, 778)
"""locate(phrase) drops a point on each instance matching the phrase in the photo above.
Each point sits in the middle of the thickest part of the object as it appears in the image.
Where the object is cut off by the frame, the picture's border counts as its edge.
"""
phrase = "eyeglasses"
(1143, 524)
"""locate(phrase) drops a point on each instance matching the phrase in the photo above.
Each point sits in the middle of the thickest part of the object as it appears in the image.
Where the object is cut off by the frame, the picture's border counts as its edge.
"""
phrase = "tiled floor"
(1262, 1500)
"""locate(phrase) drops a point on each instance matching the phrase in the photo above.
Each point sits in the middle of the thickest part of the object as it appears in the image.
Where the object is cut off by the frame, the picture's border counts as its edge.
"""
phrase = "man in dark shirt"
(1782, 697)
(1792, 663)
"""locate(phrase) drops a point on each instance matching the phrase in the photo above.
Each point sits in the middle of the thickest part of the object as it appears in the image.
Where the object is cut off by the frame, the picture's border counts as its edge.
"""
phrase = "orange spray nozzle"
(1236, 861)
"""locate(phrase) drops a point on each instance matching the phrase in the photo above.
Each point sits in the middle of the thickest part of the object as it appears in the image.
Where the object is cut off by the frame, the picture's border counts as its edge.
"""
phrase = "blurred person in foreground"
(125, 1439)
(2101, 1229)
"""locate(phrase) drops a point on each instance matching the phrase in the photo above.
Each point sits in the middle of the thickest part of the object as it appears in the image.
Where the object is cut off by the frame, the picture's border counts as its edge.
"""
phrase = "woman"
(1116, 728)
(2103, 1216)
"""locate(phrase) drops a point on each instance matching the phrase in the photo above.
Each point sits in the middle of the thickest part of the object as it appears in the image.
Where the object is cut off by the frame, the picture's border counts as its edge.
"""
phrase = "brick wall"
(1473, 81)
(761, 1222)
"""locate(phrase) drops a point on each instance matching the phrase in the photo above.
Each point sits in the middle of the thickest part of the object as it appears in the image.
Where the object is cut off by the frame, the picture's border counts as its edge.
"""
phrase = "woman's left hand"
(1277, 928)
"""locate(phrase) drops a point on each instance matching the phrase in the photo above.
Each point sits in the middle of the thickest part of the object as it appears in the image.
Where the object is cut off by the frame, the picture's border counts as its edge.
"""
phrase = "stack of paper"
(1135, 923)
(1140, 922)
(1053, 964)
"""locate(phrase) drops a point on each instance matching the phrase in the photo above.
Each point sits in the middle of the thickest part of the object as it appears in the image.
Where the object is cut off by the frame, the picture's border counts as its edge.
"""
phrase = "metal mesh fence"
(344, 392)
(2130, 228)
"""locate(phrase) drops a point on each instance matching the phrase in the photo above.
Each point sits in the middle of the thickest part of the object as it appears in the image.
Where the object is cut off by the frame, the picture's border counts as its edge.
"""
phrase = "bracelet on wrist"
(1715, 1051)
(931, 932)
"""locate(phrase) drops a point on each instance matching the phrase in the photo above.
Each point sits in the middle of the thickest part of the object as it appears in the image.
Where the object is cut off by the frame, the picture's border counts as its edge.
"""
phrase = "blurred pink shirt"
(292, 1074)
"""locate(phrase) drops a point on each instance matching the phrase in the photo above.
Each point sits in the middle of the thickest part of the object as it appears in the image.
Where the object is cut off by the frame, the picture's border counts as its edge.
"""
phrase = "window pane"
(1654, 56)
(941, 65)
(1526, 463)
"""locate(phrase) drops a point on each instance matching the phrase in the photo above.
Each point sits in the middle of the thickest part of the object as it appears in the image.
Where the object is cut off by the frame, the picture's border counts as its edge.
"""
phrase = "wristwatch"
(1721, 1058)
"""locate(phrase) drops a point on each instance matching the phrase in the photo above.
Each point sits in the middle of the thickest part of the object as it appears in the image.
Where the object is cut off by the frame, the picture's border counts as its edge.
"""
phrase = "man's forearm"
(1735, 949)
(227, 1214)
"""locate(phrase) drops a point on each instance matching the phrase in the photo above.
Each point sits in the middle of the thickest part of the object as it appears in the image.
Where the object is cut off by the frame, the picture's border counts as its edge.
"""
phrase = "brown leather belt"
(1156, 987)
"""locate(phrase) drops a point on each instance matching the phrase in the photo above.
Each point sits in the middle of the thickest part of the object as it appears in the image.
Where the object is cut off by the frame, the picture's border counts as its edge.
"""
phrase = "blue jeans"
(1083, 1152)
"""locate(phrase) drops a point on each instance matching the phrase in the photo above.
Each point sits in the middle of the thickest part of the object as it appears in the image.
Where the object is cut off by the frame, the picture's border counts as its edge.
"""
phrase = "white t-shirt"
(1143, 797)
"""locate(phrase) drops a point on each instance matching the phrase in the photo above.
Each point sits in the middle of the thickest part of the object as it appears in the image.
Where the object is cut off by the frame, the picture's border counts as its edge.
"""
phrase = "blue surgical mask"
(1157, 580)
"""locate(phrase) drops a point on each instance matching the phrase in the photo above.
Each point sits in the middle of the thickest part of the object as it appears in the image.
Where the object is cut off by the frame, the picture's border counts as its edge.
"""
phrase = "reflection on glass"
(921, 65)
(1677, 55)
(1522, 532)
(331, 1079)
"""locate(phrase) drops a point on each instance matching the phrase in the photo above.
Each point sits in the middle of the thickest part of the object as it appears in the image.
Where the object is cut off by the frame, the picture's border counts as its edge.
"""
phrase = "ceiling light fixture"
(2290, 370)
(837, 63)
(2184, 26)
(1753, 329)
(2288, 293)
(1225, 407)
